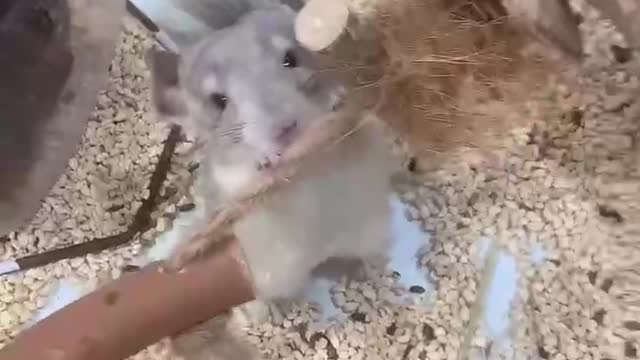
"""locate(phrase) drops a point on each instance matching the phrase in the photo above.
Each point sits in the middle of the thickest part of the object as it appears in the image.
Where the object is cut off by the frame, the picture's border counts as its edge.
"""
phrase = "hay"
(446, 71)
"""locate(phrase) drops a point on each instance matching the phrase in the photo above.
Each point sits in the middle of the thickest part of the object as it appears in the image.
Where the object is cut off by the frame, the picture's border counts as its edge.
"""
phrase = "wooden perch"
(137, 310)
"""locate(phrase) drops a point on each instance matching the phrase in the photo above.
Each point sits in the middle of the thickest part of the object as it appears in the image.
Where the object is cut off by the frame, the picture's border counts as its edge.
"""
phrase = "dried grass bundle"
(447, 72)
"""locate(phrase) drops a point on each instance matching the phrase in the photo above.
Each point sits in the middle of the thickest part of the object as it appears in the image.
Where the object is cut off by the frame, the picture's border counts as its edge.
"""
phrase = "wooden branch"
(141, 220)
(137, 310)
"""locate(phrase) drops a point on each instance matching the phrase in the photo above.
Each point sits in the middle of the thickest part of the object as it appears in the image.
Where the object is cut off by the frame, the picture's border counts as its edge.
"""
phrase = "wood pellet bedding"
(567, 185)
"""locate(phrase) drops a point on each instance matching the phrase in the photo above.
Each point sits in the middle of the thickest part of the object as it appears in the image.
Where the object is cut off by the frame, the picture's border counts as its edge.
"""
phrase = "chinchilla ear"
(167, 93)
(215, 14)
(219, 14)
(296, 5)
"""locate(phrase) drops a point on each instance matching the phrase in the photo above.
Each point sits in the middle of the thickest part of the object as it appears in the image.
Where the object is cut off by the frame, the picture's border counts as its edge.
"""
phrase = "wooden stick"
(138, 310)
(141, 220)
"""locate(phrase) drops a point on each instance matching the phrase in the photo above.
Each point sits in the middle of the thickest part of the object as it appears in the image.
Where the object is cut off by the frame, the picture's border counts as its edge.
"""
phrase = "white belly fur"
(340, 210)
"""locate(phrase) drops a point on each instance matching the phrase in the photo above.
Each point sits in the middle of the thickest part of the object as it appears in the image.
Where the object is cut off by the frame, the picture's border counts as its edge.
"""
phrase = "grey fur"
(230, 62)
(219, 14)
(338, 209)
(36, 62)
(211, 15)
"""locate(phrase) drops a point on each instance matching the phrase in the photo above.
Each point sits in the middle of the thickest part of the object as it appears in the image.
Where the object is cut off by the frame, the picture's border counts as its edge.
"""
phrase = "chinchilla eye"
(219, 100)
(290, 60)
